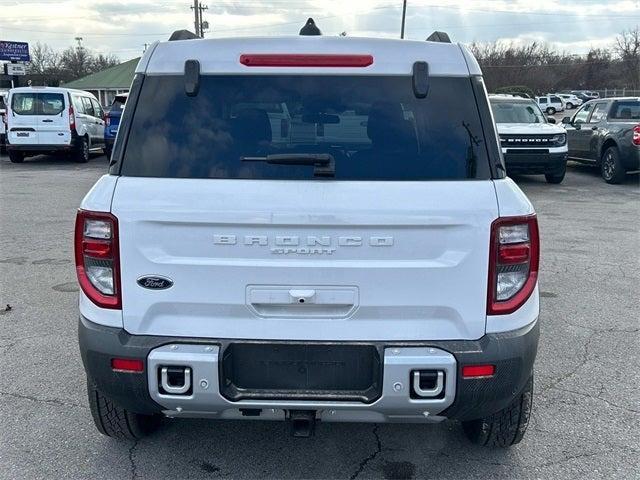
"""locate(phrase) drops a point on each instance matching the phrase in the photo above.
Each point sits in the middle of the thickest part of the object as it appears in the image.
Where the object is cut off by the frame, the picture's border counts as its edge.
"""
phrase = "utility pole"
(196, 13)
(404, 14)
(204, 25)
(79, 40)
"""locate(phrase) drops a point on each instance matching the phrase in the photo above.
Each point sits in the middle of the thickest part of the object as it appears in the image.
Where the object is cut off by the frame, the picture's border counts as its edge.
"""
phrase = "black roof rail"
(182, 35)
(439, 37)
(310, 28)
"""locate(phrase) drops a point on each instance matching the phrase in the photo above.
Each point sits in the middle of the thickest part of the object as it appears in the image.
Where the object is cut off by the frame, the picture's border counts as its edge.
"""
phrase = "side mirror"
(551, 120)
(566, 120)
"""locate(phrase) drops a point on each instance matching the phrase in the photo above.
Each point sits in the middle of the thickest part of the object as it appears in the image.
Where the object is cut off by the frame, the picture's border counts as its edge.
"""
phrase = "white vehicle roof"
(52, 89)
(390, 57)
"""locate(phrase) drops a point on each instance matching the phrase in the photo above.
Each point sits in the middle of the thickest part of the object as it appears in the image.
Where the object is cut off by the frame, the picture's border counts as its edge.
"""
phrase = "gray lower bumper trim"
(395, 404)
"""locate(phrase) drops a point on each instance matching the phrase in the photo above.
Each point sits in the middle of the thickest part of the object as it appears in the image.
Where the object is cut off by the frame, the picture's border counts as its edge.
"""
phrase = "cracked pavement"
(586, 414)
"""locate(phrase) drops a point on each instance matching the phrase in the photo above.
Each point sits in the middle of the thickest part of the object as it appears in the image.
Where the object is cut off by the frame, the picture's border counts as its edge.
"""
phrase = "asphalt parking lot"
(586, 421)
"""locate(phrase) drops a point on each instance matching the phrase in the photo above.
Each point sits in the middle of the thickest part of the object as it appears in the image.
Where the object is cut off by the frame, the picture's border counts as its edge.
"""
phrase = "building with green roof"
(107, 83)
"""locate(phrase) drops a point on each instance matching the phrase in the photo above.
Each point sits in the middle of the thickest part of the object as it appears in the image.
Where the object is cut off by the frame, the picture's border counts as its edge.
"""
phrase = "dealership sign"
(15, 68)
(14, 51)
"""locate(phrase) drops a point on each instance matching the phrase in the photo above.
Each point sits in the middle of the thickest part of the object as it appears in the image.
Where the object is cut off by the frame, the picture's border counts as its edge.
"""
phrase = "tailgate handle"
(302, 296)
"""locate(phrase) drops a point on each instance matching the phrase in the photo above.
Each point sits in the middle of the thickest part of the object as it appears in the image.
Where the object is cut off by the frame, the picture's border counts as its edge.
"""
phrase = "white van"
(50, 119)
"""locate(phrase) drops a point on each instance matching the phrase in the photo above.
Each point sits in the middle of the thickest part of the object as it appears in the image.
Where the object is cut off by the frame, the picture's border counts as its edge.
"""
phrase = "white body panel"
(428, 282)
(221, 56)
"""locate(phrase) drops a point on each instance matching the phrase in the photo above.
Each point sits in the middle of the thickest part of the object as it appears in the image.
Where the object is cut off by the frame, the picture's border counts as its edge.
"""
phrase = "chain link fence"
(617, 92)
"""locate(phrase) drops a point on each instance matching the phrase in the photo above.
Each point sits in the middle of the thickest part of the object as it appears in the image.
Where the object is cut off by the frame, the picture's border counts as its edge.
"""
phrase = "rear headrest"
(625, 113)
(251, 126)
(387, 126)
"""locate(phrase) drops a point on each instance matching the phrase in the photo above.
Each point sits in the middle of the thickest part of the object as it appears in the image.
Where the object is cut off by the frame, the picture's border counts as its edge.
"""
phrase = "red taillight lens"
(127, 365)
(478, 371)
(305, 60)
(72, 118)
(636, 135)
(514, 255)
(97, 258)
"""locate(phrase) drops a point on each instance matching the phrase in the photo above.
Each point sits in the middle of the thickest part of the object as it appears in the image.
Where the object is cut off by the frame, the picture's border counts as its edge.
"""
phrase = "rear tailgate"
(371, 260)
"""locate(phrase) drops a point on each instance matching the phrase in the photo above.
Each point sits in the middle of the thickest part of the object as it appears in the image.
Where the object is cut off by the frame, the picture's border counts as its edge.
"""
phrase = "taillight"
(72, 118)
(636, 135)
(97, 258)
(107, 120)
(514, 255)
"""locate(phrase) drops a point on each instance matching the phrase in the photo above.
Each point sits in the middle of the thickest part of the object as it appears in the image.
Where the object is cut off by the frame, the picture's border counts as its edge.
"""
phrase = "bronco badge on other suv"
(237, 267)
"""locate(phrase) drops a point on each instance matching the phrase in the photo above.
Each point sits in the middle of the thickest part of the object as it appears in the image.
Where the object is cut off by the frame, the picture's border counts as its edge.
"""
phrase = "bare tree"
(627, 48)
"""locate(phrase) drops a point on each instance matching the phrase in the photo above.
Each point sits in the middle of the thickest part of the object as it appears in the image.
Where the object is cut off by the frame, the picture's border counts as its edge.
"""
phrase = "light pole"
(404, 14)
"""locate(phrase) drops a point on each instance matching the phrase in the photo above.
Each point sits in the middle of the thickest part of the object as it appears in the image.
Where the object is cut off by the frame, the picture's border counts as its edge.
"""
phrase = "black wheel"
(610, 166)
(569, 105)
(506, 427)
(556, 178)
(81, 154)
(551, 110)
(114, 421)
(16, 157)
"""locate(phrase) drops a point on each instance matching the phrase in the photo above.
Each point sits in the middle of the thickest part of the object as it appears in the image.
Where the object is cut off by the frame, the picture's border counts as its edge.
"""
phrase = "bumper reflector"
(127, 365)
(478, 371)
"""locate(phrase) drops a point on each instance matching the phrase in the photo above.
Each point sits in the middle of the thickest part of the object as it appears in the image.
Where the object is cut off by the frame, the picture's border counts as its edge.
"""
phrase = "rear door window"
(41, 103)
(97, 109)
(599, 112)
(372, 126)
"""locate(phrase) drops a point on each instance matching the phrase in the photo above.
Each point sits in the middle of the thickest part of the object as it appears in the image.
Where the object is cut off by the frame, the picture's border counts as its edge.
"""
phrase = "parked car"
(585, 95)
(606, 133)
(50, 120)
(112, 121)
(550, 104)
(388, 273)
(3, 125)
(530, 144)
(570, 101)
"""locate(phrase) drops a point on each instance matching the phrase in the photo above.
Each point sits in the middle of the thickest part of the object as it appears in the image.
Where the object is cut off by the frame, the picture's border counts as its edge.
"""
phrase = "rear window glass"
(373, 127)
(626, 111)
(31, 103)
(517, 112)
(118, 104)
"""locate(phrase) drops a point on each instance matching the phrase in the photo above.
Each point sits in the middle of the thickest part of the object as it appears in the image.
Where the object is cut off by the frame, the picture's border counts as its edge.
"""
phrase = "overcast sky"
(122, 28)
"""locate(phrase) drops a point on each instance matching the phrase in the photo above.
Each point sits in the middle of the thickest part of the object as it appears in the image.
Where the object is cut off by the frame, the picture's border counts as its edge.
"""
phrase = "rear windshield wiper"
(324, 164)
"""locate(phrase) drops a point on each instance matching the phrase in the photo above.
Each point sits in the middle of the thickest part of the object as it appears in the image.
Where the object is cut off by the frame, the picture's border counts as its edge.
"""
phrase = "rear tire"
(81, 154)
(506, 427)
(16, 157)
(611, 167)
(114, 421)
(569, 106)
(551, 111)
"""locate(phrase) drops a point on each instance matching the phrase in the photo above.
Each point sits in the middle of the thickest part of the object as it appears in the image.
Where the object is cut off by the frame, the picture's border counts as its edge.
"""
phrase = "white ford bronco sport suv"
(230, 271)
(531, 143)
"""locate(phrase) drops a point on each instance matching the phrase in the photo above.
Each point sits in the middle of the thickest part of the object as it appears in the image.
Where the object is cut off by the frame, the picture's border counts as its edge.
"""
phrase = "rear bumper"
(513, 354)
(535, 163)
(41, 148)
(630, 157)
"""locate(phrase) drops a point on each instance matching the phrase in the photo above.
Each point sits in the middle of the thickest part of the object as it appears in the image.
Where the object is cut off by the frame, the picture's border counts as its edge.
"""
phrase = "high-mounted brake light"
(97, 258)
(305, 60)
(636, 135)
(513, 263)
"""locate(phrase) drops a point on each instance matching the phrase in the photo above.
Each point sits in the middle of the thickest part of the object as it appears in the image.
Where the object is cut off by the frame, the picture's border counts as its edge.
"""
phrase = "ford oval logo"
(155, 282)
